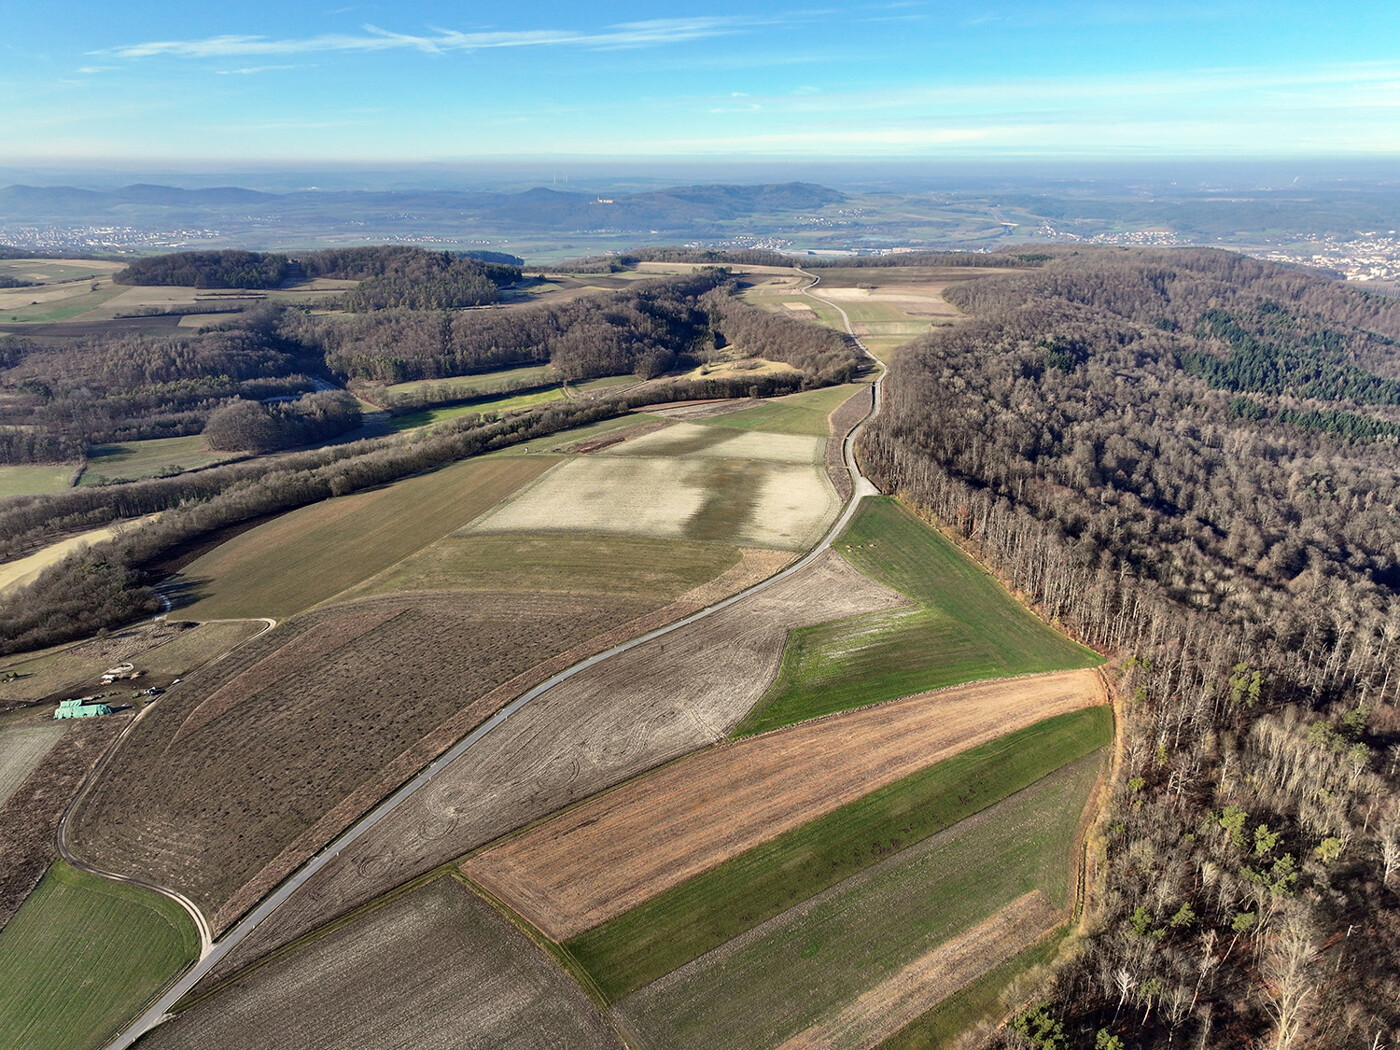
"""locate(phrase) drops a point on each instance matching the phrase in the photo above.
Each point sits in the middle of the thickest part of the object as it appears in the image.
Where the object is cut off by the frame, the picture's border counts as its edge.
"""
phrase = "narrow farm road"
(216, 951)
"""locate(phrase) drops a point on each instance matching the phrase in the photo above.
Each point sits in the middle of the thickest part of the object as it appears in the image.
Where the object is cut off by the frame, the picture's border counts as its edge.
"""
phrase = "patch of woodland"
(1090, 435)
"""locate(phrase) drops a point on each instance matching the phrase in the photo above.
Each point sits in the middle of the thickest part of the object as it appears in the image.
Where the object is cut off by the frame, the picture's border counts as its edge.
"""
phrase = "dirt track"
(654, 703)
(607, 856)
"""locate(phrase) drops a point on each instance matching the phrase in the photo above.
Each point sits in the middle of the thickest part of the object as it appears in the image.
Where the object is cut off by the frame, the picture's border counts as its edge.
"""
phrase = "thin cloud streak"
(626, 34)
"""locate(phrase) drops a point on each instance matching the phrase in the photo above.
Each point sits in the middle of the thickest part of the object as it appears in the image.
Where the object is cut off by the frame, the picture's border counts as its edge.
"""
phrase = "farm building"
(79, 708)
(121, 671)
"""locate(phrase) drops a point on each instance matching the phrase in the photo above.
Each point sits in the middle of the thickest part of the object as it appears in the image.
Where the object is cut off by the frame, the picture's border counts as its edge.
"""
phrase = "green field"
(973, 1004)
(83, 955)
(308, 555)
(498, 405)
(572, 563)
(486, 383)
(61, 309)
(815, 960)
(718, 905)
(965, 628)
(804, 413)
(155, 457)
(35, 479)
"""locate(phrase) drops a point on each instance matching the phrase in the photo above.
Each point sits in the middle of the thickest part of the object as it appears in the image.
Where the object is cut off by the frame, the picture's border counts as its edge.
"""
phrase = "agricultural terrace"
(964, 627)
(431, 967)
(800, 974)
(83, 955)
(162, 652)
(658, 701)
(308, 555)
(151, 458)
(624, 847)
(23, 746)
(685, 482)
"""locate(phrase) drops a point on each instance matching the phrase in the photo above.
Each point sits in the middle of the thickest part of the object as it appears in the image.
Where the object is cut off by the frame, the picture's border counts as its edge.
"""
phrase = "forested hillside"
(1190, 459)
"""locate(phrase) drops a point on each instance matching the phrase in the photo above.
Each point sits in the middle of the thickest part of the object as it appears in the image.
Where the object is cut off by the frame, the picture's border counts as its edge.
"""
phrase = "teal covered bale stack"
(80, 708)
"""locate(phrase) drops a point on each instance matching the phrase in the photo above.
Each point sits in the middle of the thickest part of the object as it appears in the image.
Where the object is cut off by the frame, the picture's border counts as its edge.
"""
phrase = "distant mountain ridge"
(679, 210)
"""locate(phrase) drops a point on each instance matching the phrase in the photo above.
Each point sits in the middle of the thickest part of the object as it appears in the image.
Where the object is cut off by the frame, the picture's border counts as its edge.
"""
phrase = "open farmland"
(965, 627)
(600, 859)
(483, 383)
(433, 967)
(83, 955)
(23, 746)
(711, 908)
(651, 704)
(23, 479)
(499, 405)
(29, 816)
(154, 457)
(753, 502)
(240, 773)
(804, 413)
(162, 651)
(804, 968)
(299, 559)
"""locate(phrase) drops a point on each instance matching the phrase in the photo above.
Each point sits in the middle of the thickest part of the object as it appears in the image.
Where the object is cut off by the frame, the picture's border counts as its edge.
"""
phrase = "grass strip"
(977, 1003)
(965, 627)
(714, 907)
(83, 955)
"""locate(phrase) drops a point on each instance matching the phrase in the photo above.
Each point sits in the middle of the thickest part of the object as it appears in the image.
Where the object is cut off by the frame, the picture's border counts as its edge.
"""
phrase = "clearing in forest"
(432, 967)
(308, 555)
(35, 479)
(810, 964)
(600, 859)
(149, 458)
(964, 627)
(83, 955)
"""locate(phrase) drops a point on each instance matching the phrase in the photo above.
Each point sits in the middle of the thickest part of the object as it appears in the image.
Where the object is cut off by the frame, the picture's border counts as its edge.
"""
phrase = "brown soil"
(29, 817)
(644, 707)
(692, 410)
(301, 735)
(843, 421)
(927, 981)
(605, 857)
(432, 969)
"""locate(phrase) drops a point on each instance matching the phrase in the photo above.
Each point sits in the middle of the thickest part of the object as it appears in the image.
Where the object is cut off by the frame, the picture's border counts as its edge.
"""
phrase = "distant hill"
(680, 211)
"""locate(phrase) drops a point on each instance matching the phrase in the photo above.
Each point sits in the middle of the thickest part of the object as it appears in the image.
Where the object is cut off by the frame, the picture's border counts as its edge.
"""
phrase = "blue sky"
(431, 81)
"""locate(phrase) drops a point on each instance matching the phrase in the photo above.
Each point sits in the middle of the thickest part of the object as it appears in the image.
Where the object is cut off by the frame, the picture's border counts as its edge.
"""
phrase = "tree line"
(1244, 575)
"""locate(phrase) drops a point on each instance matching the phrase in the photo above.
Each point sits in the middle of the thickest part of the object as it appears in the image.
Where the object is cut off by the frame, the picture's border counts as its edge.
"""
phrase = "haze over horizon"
(428, 82)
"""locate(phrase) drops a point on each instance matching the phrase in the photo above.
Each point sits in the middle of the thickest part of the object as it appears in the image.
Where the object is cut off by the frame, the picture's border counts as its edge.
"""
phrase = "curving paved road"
(215, 951)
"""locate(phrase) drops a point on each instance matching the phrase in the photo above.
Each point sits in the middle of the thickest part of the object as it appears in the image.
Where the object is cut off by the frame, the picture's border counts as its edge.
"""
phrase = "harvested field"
(240, 773)
(964, 627)
(163, 651)
(807, 965)
(805, 413)
(85, 954)
(601, 859)
(433, 968)
(760, 504)
(703, 409)
(302, 558)
(564, 563)
(843, 420)
(654, 703)
(29, 817)
(22, 747)
(927, 981)
(689, 439)
(714, 907)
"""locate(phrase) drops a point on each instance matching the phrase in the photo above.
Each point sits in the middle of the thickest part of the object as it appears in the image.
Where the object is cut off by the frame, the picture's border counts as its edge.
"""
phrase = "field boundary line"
(861, 487)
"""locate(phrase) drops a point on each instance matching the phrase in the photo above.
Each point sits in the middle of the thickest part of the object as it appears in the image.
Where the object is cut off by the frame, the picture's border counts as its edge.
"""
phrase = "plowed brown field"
(605, 857)
(646, 706)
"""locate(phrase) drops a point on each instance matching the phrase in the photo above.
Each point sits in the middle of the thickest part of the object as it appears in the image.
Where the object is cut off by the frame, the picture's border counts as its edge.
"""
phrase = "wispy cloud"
(248, 71)
(439, 41)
